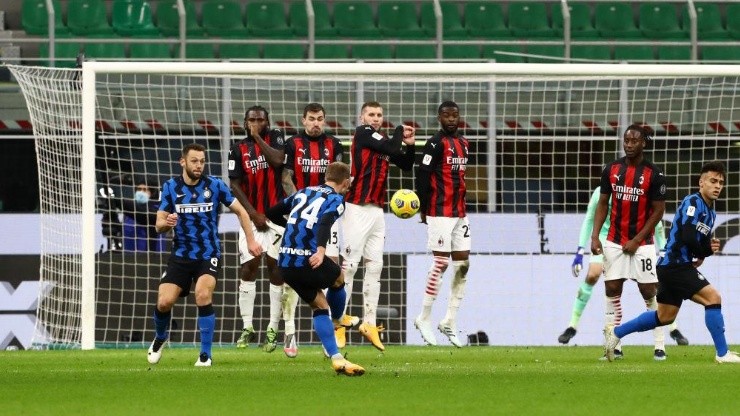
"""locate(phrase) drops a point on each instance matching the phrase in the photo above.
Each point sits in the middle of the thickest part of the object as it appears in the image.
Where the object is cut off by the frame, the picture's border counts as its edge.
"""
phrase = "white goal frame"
(90, 70)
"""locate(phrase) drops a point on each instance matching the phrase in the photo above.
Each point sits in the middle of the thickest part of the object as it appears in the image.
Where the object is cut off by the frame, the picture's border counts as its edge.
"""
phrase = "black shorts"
(307, 281)
(183, 272)
(676, 283)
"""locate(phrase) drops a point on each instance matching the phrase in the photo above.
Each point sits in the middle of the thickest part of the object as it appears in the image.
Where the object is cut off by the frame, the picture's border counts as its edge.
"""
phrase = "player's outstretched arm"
(253, 246)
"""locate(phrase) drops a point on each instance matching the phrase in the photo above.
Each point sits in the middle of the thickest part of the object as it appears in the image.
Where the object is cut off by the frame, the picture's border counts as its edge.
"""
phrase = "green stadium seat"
(65, 54)
(399, 20)
(557, 52)
(634, 53)
(615, 20)
(590, 52)
(416, 52)
(133, 18)
(322, 19)
(732, 14)
(720, 54)
(277, 51)
(355, 19)
(581, 25)
(168, 21)
(196, 51)
(461, 53)
(35, 17)
(452, 27)
(529, 20)
(223, 18)
(494, 52)
(708, 21)
(376, 52)
(659, 21)
(669, 53)
(485, 20)
(150, 51)
(266, 19)
(236, 51)
(88, 18)
(331, 52)
(103, 51)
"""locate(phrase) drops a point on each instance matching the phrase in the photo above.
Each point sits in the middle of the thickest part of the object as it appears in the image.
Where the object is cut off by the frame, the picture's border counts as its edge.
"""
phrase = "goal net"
(539, 138)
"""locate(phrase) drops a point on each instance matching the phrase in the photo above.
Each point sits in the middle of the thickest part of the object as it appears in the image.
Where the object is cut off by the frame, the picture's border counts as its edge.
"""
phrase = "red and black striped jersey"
(633, 190)
(308, 157)
(441, 179)
(261, 183)
(372, 152)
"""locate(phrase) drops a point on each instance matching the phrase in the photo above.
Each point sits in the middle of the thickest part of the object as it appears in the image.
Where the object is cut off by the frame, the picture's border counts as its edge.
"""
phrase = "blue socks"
(716, 325)
(161, 323)
(206, 324)
(325, 330)
(336, 298)
(645, 321)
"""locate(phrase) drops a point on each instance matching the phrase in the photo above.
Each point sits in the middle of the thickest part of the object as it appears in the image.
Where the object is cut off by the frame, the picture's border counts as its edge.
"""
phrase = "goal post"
(540, 134)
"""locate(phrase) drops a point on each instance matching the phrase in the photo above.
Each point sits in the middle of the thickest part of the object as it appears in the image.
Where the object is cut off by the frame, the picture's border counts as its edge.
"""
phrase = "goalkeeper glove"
(577, 262)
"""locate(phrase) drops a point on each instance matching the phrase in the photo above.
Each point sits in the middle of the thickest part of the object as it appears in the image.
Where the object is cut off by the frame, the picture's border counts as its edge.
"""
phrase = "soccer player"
(255, 165)
(311, 213)
(636, 188)
(440, 184)
(363, 227)
(307, 155)
(189, 206)
(595, 268)
(689, 243)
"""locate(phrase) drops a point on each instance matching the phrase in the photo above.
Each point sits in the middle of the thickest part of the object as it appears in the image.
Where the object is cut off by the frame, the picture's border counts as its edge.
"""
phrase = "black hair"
(645, 132)
(447, 104)
(713, 166)
(258, 108)
(313, 108)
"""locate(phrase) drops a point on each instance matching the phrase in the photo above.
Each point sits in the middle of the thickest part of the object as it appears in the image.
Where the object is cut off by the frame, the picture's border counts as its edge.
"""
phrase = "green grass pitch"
(401, 381)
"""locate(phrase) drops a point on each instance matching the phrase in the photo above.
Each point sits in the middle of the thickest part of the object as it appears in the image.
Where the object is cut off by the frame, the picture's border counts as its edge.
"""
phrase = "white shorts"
(639, 266)
(269, 241)
(447, 234)
(362, 232)
(332, 246)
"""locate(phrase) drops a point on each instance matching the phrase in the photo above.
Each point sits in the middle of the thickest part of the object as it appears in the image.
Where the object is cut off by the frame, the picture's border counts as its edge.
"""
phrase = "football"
(404, 203)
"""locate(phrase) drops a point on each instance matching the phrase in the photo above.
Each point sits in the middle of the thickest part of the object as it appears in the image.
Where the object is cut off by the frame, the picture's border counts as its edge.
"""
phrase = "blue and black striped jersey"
(691, 232)
(196, 232)
(307, 207)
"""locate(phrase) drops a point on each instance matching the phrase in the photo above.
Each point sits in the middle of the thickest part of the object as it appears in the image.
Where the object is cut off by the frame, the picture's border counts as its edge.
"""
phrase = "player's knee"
(248, 271)
(349, 268)
(165, 303)
(203, 297)
(373, 267)
(339, 282)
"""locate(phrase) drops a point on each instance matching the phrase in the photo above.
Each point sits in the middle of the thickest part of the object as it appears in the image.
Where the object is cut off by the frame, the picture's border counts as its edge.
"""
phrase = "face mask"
(141, 197)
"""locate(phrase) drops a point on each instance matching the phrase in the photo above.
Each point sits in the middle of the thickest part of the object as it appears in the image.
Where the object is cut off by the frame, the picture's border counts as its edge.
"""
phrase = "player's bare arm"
(287, 179)
(599, 218)
(274, 156)
(658, 209)
(259, 220)
(253, 246)
(165, 221)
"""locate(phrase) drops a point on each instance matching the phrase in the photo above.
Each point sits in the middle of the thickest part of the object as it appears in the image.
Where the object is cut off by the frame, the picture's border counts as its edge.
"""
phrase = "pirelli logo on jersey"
(194, 208)
(295, 251)
(627, 193)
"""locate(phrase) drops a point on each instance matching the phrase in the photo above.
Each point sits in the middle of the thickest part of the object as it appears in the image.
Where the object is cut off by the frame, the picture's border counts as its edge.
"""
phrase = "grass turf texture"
(402, 381)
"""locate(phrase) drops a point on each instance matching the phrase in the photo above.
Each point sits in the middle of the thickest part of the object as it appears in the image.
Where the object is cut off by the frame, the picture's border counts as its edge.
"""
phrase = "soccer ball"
(404, 203)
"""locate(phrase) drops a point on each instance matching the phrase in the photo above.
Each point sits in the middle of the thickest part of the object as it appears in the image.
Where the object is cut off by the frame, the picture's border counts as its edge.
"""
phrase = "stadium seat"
(399, 20)
(168, 21)
(34, 17)
(485, 19)
(277, 51)
(461, 53)
(721, 54)
(355, 19)
(331, 52)
(223, 18)
(150, 51)
(65, 54)
(659, 21)
(529, 20)
(196, 51)
(452, 27)
(88, 18)
(98, 50)
(590, 52)
(133, 18)
(732, 14)
(708, 21)
(557, 52)
(581, 25)
(615, 20)
(236, 51)
(669, 53)
(375, 52)
(322, 20)
(266, 19)
(634, 53)
(416, 53)
(494, 52)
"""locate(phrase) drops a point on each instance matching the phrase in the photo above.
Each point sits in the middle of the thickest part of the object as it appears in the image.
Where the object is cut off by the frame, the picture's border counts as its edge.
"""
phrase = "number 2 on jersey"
(309, 213)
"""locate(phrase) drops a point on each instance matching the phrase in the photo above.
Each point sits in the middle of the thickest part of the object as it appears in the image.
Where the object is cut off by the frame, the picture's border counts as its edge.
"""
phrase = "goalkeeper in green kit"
(595, 268)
